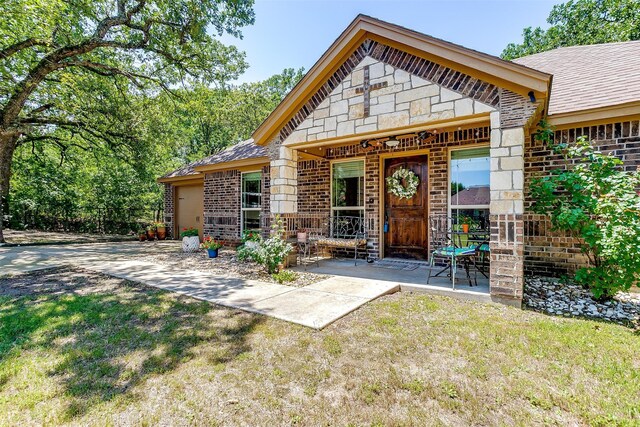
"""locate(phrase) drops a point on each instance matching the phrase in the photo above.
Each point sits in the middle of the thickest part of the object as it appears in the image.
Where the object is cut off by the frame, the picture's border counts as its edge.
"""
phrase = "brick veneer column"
(284, 181)
(506, 212)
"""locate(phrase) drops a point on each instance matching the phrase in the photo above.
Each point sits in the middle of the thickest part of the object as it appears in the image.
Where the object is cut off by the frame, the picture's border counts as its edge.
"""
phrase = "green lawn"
(86, 349)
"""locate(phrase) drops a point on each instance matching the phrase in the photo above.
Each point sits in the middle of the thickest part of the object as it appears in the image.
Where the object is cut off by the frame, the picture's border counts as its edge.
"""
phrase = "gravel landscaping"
(227, 264)
(554, 296)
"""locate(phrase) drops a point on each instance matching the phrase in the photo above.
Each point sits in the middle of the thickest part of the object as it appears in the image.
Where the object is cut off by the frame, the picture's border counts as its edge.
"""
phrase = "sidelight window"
(469, 183)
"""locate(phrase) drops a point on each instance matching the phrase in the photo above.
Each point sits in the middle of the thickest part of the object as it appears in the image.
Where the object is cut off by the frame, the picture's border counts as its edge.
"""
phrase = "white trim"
(243, 209)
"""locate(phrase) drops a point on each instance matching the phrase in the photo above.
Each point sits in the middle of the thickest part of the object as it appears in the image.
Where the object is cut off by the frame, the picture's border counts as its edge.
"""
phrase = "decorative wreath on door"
(403, 183)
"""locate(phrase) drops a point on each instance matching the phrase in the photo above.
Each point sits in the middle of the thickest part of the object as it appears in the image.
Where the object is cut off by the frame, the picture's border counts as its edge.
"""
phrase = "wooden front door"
(407, 219)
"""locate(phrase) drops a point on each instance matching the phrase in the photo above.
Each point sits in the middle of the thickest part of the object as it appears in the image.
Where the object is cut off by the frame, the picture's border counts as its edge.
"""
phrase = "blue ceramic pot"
(213, 253)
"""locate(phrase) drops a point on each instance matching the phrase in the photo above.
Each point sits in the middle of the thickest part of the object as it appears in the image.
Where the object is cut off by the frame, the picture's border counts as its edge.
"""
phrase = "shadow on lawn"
(106, 342)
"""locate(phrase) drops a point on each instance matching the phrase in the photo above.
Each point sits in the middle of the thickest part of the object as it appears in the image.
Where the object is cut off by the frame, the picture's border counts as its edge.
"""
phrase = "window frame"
(364, 189)
(242, 208)
(450, 207)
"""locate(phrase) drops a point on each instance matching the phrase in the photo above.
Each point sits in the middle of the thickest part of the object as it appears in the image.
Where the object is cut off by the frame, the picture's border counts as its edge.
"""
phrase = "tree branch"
(24, 44)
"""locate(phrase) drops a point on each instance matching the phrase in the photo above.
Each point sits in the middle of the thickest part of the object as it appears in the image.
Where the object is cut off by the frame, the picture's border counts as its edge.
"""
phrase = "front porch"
(411, 276)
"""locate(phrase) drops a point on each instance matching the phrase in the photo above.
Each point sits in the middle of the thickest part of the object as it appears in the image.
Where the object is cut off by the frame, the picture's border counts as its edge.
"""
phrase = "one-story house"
(384, 97)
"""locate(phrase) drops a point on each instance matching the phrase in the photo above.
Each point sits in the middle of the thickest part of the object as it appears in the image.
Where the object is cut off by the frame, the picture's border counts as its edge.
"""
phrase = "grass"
(86, 349)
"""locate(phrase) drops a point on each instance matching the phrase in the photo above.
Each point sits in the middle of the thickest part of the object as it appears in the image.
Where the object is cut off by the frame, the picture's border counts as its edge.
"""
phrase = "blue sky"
(295, 33)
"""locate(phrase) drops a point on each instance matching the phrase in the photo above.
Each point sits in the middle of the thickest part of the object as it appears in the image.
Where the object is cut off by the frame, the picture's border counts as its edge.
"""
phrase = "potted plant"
(212, 246)
(161, 230)
(466, 223)
(190, 239)
(151, 232)
(142, 234)
(302, 235)
(251, 239)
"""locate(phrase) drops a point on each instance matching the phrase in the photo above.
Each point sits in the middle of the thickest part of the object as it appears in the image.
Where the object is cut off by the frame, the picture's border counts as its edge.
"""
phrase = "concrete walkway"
(315, 306)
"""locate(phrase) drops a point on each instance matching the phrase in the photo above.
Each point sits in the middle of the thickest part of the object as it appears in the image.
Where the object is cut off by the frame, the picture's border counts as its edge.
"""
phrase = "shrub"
(284, 276)
(251, 236)
(596, 202)
(271, 252)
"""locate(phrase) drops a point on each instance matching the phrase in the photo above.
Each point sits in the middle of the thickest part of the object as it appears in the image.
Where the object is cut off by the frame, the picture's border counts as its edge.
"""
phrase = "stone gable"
(398, 99)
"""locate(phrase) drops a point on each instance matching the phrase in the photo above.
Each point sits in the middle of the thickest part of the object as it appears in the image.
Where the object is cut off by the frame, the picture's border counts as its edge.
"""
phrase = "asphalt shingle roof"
(592, 76)
(240, 151)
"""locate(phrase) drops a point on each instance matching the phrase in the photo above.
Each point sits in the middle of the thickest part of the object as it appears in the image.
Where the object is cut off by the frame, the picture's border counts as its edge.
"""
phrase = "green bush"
(271, 252)
(285, 276)
(597, 202)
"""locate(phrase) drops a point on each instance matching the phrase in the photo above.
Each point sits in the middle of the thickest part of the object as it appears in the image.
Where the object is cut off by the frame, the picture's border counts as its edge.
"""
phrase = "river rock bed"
(553, 296)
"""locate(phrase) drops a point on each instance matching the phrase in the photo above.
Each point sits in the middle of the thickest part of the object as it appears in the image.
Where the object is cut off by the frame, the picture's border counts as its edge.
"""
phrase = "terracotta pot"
(465, 228)
(190, 244)
(161, 233)
(142, 237)
(151, 234)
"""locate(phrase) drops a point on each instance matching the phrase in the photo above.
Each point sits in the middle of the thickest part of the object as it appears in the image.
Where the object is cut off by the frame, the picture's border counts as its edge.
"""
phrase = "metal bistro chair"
(445, 248)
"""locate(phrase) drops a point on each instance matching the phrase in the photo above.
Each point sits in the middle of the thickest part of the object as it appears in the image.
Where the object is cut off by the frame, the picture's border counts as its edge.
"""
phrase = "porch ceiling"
(317, 149)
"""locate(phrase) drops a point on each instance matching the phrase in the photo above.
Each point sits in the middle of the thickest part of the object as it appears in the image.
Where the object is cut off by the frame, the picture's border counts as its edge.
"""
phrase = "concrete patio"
(410, 276)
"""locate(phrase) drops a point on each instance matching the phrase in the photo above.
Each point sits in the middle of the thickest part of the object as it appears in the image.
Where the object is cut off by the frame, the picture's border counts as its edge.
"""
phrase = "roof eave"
(594, 116)
(254, 161)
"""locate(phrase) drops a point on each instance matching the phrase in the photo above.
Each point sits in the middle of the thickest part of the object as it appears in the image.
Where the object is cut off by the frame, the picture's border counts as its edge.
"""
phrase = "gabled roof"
(245, 152)
(491, 69)
(592, 76)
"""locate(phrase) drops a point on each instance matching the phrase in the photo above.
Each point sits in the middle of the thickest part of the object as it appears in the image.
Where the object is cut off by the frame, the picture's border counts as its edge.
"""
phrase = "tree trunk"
(7, 147)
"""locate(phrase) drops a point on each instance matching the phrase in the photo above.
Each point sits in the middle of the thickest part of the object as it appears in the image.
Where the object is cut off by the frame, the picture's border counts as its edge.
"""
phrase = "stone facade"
(549, 252)
(405, 100)
(464, 84)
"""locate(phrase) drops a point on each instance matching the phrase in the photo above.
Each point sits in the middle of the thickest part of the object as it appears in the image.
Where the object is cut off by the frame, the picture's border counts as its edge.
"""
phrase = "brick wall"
(222, 205)
(169, 207)
(553, 253)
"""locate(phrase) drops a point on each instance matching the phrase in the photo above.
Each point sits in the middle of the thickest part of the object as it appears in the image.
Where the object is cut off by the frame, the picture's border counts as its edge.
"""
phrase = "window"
(470, 195)
(347, 188)
(251, 200)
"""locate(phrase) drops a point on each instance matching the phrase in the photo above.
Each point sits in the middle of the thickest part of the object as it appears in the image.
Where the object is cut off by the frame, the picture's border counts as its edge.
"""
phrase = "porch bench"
(344, 233)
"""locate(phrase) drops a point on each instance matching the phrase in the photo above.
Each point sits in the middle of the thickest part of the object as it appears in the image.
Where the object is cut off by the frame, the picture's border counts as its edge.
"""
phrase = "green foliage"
(271, 252)
(596, 201)
(210, 243)
(285, 276)
(581, 22)
(251, 236)
(189, 232)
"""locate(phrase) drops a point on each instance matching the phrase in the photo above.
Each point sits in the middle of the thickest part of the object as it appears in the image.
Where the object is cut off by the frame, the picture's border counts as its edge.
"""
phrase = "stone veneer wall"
(406, 100)
(314, 176)
(552, 253)
(169, 207)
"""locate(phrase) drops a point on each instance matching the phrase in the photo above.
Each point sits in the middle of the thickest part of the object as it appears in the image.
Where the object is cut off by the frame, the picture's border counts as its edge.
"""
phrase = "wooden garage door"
(190, 208)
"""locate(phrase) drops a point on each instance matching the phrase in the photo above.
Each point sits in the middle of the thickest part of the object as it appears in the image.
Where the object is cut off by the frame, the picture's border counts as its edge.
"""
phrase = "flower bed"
(227, 264)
